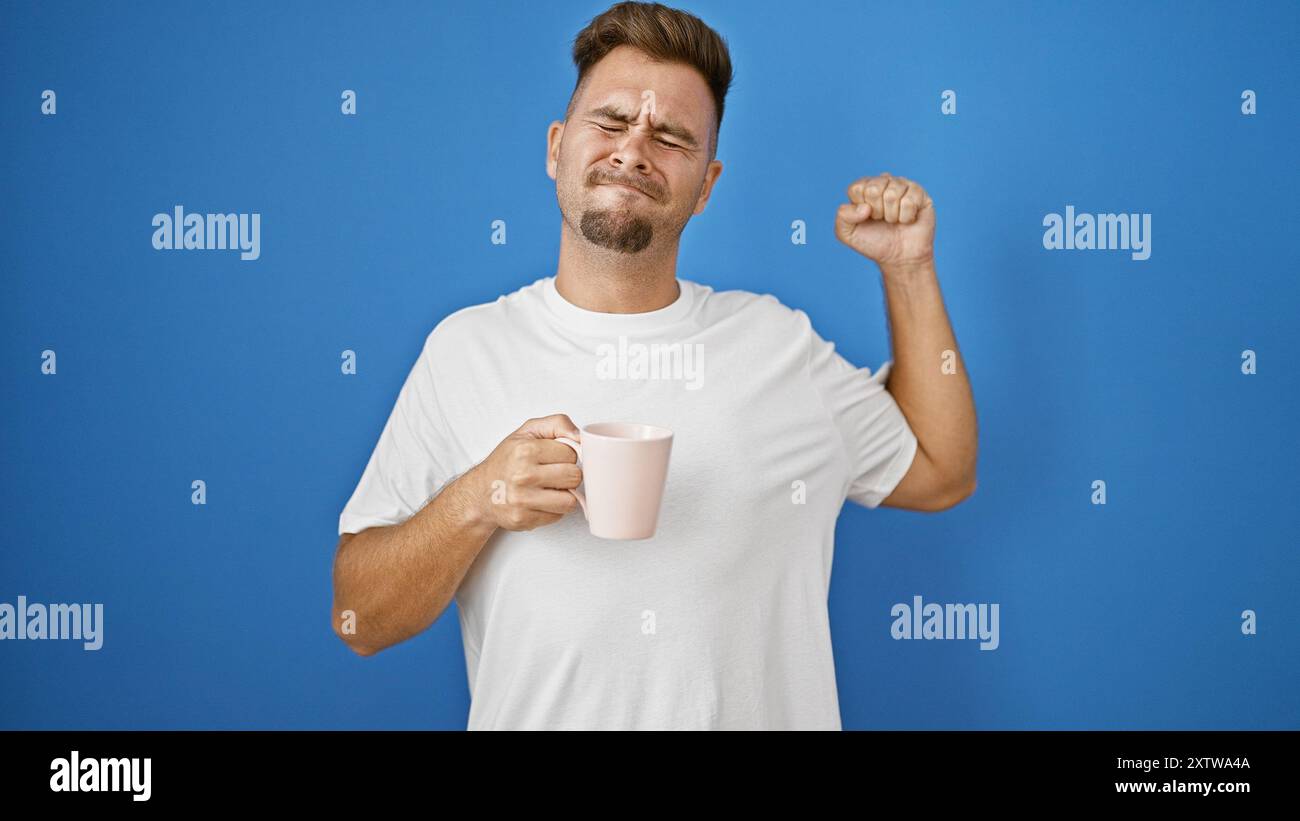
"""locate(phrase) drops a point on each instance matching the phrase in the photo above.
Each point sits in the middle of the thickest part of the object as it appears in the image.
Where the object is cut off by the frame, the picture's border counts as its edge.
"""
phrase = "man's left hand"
(889, 220)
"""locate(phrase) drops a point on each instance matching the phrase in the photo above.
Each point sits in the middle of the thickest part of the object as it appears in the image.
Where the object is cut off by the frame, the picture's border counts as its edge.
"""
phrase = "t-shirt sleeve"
(409, 464)
(879, 443)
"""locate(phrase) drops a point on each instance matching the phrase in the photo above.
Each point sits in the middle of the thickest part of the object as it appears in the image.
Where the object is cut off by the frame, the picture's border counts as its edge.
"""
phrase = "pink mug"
(624, 469)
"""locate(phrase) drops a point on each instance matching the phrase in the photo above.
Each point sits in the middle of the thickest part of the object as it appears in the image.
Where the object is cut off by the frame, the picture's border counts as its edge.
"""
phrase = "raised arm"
(891, 220)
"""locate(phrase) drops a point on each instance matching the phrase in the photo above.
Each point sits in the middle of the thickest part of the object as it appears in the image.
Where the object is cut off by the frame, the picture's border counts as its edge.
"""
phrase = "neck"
(600, 279)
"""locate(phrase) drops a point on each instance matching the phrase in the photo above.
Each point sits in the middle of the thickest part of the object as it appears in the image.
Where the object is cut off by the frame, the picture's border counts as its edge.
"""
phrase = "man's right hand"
(524, 483)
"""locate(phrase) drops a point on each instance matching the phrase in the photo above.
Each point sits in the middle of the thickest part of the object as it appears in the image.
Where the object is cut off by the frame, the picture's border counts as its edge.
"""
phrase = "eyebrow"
(613, 112)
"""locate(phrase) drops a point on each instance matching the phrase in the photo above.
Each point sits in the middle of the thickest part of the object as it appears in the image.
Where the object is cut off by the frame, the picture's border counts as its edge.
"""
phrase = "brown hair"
(665, 35)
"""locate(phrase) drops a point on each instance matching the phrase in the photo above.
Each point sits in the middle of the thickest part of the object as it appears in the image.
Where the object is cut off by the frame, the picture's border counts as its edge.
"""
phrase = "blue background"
(1085, 365)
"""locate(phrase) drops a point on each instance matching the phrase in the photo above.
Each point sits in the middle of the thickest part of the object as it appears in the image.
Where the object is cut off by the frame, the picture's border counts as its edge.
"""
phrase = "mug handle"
(577, 448)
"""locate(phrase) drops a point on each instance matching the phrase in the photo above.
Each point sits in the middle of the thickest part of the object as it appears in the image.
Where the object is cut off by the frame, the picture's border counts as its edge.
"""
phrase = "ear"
(710, 177)
(554, 133)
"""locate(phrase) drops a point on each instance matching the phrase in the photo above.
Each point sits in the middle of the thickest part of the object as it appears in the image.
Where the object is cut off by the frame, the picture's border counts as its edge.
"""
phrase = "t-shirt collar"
(601, 322)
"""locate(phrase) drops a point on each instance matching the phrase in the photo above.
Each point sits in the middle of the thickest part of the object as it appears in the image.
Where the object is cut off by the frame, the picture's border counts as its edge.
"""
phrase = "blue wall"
(1086, 365)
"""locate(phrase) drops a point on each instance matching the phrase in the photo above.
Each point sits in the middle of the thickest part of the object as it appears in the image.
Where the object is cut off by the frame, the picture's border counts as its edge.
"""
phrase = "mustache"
(640, 185)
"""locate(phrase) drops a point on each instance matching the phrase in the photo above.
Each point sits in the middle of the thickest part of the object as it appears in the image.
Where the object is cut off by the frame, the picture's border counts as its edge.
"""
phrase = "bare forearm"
(397, 580)
(928, 378)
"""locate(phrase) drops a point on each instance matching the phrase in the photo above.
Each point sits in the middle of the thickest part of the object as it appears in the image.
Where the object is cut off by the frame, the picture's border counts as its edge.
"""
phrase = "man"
(720, 619)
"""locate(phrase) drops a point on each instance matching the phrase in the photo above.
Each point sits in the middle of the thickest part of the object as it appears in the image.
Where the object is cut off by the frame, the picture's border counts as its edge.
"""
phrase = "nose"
(631, 152)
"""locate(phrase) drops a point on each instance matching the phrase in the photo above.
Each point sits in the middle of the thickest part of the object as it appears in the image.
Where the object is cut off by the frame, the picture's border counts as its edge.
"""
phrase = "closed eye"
(610, 130)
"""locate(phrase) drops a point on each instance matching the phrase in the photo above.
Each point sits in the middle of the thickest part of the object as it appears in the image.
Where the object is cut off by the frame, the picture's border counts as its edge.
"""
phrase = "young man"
(719, 620)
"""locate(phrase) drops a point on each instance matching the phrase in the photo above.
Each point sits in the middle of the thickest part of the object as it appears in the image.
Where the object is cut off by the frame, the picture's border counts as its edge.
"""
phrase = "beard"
(625, 229)
(616, 229)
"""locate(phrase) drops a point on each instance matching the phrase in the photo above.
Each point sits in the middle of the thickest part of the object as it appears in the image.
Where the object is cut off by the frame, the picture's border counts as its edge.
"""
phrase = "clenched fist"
(888, 219)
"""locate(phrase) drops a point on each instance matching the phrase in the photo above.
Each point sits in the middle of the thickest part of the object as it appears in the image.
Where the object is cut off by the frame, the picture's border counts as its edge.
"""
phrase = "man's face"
(631, 163)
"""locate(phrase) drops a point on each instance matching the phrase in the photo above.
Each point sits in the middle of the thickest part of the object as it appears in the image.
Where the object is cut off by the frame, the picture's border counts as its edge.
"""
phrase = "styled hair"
(665, 35)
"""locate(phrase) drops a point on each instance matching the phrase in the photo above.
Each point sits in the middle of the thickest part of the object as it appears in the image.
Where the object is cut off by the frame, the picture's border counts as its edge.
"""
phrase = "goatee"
(613, 229)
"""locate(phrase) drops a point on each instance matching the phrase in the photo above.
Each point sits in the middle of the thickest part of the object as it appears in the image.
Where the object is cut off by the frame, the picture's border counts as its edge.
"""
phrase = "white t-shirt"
(720, 620)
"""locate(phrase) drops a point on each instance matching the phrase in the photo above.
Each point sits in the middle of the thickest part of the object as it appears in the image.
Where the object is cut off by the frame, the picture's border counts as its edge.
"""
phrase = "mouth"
(627, 188)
